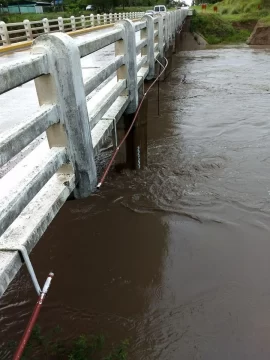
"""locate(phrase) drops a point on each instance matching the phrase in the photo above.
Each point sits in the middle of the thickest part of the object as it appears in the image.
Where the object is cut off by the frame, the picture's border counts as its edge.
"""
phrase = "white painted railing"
(34, 190)
(28, 30)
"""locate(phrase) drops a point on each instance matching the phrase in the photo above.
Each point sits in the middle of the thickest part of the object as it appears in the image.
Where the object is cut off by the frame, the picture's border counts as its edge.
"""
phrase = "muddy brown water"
(176, 256)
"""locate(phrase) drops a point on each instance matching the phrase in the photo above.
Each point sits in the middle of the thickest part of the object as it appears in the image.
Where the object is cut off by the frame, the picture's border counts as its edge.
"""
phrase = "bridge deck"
(17, 105)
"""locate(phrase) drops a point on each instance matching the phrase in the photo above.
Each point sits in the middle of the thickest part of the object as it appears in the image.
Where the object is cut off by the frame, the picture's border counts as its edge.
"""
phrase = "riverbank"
(233, 22)
(217, 30)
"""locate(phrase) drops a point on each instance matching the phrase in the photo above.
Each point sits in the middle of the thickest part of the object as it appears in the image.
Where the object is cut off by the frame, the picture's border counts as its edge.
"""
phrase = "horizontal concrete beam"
(100, 41)
(18, 73)
(37, 215)
(19, 136)
(106, 97)
(19, 186)
(103, 74)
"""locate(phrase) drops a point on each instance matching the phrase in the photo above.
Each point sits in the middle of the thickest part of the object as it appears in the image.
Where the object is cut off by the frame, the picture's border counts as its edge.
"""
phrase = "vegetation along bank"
(233, 21)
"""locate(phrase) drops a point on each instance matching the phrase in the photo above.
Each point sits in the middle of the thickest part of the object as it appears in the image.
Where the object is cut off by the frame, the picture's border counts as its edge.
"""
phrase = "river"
(175, 256)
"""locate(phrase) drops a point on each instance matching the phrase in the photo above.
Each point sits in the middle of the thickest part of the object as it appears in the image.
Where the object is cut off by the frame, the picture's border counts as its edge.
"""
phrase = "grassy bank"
(216, 30)
(234, 21)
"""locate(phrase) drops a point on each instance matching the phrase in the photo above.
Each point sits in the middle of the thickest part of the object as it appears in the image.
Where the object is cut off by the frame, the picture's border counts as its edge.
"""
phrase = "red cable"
(129, 129)
(33, 319)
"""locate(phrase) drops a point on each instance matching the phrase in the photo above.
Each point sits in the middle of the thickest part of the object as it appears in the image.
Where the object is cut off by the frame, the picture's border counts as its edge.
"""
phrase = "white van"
(160, 8)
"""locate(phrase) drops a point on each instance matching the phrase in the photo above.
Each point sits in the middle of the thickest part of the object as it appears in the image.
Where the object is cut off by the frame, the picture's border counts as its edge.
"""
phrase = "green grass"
(265, 20)
(216, 29)
(84, 347)
(234, 21)
(239, 10)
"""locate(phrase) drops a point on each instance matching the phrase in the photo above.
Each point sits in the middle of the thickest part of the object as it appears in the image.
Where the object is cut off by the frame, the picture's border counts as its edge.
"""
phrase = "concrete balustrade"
(28, 30)
(32, 192)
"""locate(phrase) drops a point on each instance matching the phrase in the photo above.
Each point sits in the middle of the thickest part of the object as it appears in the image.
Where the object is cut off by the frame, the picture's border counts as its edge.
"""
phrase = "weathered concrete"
(22, 183)
(13, 141)
(66, 87)
(260, 35)
(148, 50)
(21, 72)
(129, 70)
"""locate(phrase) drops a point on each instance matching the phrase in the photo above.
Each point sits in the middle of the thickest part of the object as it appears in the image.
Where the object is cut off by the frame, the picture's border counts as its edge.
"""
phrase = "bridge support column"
(64, 87)
(136, 144)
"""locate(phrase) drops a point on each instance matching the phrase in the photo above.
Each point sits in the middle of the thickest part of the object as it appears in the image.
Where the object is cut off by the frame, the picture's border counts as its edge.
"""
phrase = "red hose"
(33, 319)
(132, 123)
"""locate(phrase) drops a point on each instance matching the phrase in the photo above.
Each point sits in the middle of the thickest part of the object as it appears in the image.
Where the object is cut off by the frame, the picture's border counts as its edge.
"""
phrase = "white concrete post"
(160, 35)
(127, 47)
(46, 25)
(73, 24)
(148, 50)
(105, 19)
(171, 25)
(98, 19)
(167, 38)
(83, 21)
(92, 20)
(171, 21)
(4, 33)
(110, 18)
(173, 30)
(115, 17)
(61, 24)
(28, 30)
(64, 86)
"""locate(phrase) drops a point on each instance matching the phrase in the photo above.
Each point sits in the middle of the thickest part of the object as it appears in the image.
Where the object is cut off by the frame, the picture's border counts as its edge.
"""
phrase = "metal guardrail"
(28, 30)
(34, 190)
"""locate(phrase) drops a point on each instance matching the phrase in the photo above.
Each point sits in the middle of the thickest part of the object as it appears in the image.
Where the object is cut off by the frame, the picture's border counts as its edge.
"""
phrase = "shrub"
(224, 11)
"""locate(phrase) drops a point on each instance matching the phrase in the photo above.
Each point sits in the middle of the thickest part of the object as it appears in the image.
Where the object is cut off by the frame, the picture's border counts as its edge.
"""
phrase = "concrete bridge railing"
(28, 30)
(33, 191)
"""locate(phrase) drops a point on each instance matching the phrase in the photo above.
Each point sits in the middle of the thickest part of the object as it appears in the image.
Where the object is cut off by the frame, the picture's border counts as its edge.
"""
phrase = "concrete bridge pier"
(133, 153)
(136, 144)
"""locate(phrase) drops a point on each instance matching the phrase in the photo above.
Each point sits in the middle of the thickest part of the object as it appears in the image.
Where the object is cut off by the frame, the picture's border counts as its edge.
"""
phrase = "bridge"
(79, 108)
(24, 32)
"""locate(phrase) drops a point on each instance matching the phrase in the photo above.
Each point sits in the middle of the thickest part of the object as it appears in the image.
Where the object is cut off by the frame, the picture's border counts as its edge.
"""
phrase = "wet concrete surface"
(176, 256)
